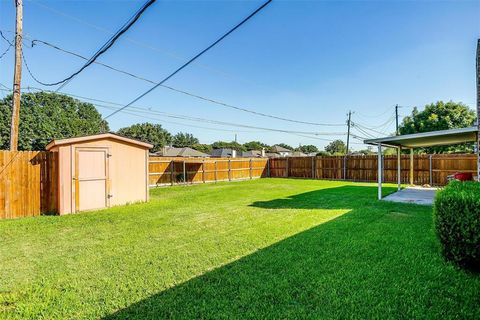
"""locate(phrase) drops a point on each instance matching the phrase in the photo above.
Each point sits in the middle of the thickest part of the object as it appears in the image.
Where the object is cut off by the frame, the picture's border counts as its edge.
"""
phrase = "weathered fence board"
(428, 169)
(28, 183)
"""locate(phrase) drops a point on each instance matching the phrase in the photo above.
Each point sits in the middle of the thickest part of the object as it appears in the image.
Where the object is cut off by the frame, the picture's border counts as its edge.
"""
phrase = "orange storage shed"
(100, 171)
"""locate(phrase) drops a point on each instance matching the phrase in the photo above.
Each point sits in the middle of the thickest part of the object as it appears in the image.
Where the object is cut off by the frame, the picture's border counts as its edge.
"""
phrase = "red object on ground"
(463, 176)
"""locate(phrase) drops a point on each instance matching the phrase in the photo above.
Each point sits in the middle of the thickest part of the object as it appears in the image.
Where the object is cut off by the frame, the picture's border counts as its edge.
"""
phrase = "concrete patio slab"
(416, 195)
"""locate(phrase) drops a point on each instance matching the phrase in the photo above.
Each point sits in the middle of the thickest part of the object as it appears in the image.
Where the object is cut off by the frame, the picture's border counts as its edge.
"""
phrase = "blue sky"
(304, 60)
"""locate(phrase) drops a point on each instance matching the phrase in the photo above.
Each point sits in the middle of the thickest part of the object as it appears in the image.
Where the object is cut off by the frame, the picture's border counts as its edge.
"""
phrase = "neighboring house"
(272, 155)
(283, 152)
(180, 152)
(252, 154)
(297, 154)
(224, 153)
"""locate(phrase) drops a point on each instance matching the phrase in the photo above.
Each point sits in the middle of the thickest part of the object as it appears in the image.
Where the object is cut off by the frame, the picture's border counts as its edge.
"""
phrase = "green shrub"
(457, 222)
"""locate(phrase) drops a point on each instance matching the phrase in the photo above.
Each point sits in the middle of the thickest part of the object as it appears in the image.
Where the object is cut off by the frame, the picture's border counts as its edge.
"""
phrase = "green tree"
(148, 132)
(440, 116)
(336, 147)
(323, 153)
(231, 145)
(255, 145)
(205, 148)
(184, 140)
(309, 148)
(46, 116)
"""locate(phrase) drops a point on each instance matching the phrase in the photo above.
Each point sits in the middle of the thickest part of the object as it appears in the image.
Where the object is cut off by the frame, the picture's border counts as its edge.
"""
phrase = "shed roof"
(101, 136)
(428, 139)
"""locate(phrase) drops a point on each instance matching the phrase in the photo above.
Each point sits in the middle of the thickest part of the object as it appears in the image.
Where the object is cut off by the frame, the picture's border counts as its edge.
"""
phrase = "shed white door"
(91, 178)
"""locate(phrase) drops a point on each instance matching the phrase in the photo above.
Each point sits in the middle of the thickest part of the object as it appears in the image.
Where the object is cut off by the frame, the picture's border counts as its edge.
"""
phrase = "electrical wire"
(6, 51)
(191, 60)
(148, 114)
(142, 44)
(149, 111)
(369, 129)
(214, 101)
(107, 45)
(365, 133)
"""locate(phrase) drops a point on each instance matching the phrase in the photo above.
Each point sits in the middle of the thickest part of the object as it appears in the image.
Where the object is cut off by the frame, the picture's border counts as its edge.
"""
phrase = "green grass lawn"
(269, 248)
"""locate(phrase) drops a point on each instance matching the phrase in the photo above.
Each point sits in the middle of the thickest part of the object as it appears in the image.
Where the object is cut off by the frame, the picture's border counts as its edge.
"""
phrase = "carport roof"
(428, 139)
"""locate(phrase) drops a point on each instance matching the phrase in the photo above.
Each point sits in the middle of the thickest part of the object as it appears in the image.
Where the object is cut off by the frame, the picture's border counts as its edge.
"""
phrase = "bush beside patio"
(457, 222)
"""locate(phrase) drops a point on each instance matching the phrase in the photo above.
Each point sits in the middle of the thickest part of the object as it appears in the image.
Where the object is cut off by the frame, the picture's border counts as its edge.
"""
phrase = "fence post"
(313, 167)
(286, 167)
(383, 168)
(430, 169)
(251, 169)
(203, 170)
(229, 170)
(184, 174)
(172, 164)
(215, 170)
(268, 168)
(345, 167)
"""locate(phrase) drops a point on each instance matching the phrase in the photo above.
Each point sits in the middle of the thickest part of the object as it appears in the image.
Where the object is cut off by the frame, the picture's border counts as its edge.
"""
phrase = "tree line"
(45, 116)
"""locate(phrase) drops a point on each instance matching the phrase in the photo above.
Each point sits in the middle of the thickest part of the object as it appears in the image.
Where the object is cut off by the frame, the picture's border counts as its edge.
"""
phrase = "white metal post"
(379, 165)
(411, 167)
(399, 169)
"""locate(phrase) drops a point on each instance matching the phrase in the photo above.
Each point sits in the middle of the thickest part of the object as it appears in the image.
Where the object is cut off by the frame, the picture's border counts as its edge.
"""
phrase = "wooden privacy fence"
(28, 183)
(428, 169)
(170, 171)
(29, 179)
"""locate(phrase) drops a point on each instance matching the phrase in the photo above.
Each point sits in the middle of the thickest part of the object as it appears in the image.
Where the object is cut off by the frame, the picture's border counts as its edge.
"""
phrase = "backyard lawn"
(268, 248)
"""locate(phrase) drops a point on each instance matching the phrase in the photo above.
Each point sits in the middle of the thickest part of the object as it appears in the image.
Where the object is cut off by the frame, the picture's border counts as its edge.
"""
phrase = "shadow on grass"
(331, 198)
(364, 264)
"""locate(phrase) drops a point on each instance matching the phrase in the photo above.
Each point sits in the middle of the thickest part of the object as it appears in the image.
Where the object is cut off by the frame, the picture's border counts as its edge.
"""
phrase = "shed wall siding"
(126, 173)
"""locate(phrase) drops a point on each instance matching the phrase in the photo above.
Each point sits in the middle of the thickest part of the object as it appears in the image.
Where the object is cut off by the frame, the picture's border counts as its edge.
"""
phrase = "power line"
(149, 111)
(6, 51)
(191, 60)
(363, 132)
(107, 45)
(369, 129)
(146, 45)
(224, 104)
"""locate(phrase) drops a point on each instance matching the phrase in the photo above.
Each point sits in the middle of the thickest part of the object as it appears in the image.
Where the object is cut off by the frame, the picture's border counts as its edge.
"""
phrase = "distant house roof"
(298, 154)
(280, 149)
(272, 155)
(251, 154)
(223, 152)
(181, 152)
(101, 136)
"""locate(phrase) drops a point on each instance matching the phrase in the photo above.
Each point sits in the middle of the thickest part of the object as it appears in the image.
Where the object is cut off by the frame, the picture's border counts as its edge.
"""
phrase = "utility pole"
(396, 120)
(349, 121)
(348, 130)
(478, 109)
(17, 77)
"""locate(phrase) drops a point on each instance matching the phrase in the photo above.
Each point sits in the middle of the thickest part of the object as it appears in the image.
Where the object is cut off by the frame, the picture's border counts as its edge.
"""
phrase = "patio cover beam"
(424, 139)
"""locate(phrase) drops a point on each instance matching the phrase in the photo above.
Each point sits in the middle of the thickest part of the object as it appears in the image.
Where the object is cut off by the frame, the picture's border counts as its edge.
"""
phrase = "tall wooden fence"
(28, 183)
(428, 169)
(169, 171)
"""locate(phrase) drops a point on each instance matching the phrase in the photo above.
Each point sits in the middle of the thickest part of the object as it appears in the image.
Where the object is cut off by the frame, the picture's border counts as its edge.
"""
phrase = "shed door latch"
(109, 155)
